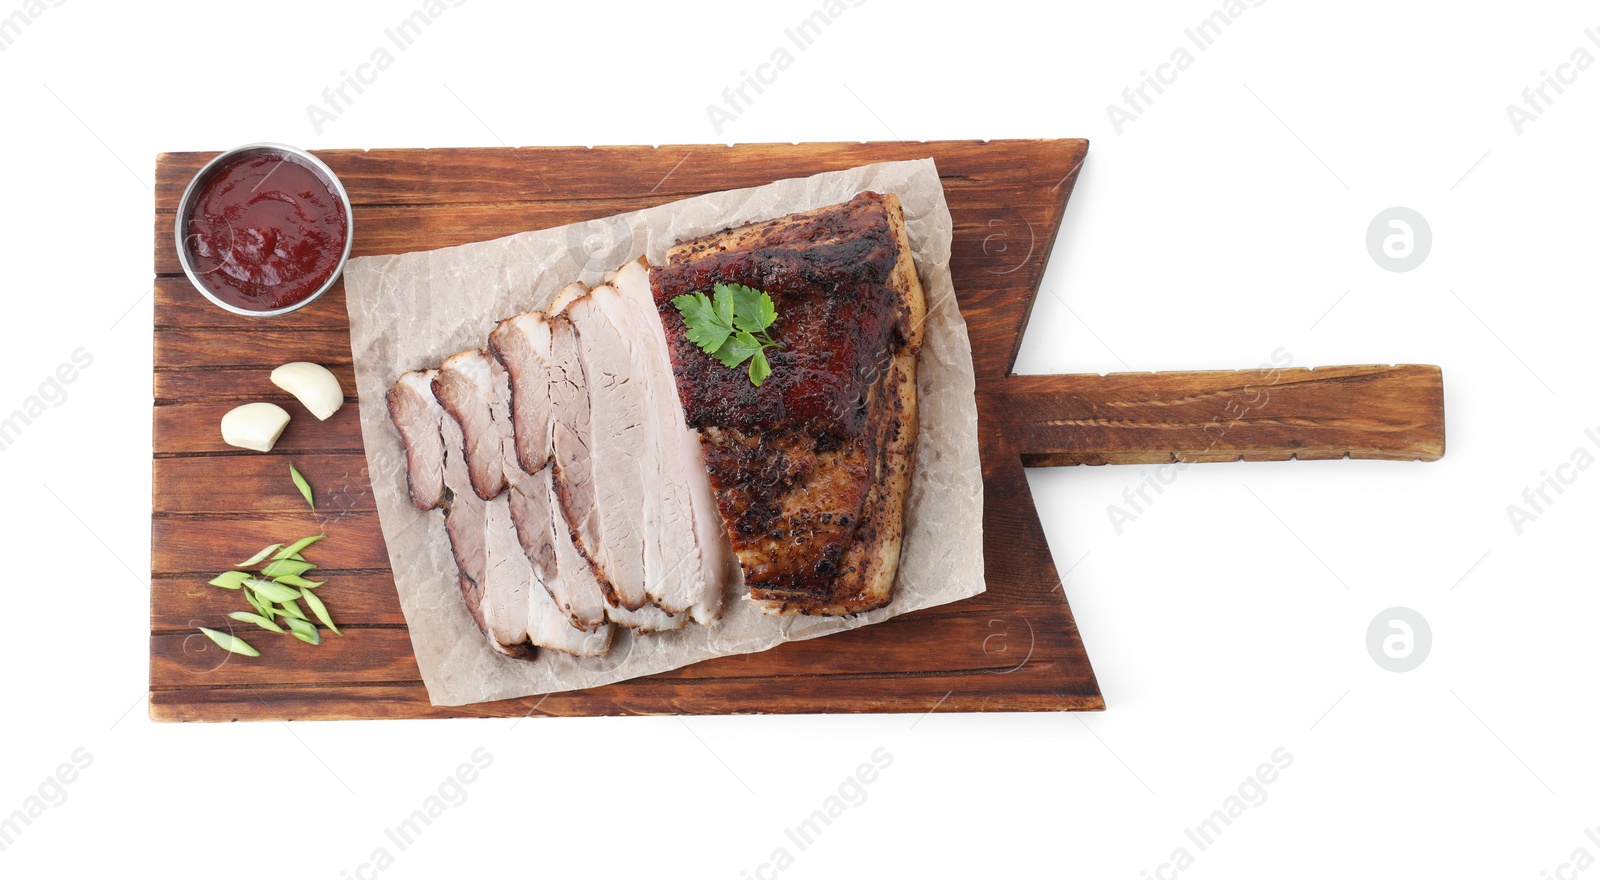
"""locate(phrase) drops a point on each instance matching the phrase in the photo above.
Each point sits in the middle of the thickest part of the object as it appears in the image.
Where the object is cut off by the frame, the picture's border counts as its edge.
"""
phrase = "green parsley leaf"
(709, 336)
(723, 301)
(731, 326)
(753, 310)
(695, 308)
(706, 328)
(759, 369)
(739, 348)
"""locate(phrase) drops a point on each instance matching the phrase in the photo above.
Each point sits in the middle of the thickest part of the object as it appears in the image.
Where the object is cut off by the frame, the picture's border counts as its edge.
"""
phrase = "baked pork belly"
(475, 389)
(499, 582)
(416, 416)
(461, 385)
(686, 548)
(641, 530)
(516, 610)
(809, 470)
(420, 420)
(609, 524)
(549, 399)
(522, 344)
(478, 531)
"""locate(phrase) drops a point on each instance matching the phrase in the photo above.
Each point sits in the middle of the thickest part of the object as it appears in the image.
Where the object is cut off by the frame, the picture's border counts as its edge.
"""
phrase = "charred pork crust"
(810, 469)
(828, 272)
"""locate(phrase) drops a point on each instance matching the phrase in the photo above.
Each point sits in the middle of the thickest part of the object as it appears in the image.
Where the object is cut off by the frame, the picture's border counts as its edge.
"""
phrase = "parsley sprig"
(731, 326)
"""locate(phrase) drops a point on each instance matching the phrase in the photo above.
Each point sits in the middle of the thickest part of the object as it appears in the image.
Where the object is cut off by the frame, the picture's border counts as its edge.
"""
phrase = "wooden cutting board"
(1013, 648)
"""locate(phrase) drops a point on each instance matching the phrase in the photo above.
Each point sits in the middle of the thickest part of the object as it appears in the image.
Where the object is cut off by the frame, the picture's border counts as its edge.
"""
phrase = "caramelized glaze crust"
(810, 470)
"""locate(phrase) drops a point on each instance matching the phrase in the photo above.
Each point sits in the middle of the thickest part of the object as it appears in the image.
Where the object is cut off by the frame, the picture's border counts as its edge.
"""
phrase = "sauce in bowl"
(263, 230)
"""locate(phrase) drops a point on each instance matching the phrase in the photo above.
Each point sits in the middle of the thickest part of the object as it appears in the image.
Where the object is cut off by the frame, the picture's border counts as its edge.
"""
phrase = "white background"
(1227, 621)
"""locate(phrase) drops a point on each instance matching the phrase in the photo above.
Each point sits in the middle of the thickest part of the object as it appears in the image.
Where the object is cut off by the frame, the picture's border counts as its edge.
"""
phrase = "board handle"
(1394, 413)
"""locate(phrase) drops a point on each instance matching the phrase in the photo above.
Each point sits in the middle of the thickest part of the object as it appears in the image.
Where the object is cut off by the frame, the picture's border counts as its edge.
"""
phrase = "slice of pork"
(516, 610)
(566, 297)
(478, 530)
(522, 346)
(600, 453)
(578, 591)
(572, 464)
(427, 433)
(576, 600)
(481, 388)
(528, 499)
(476, 391)
(682, 464)
(416, 416)
(463, 387)
(687, 550)
(540, 356)
(570, 581)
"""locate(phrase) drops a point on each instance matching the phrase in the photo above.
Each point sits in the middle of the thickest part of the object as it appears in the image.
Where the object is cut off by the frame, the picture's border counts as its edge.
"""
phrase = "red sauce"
(266, 232)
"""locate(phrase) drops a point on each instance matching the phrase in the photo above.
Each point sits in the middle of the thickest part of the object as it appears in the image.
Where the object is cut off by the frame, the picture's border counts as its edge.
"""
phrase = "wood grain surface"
(1014, 648)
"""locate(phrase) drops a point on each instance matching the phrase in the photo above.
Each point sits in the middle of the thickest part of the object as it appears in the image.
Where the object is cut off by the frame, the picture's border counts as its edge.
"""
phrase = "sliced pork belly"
(604, 501)
(566, 297)
(480, 389)
(522, 376)
(416, 414)
(576, 599)
(646, 619)
(483, 542)
(572, 584)
(522, 345)
(427, 433)
(462, 386)
(572, 464)
(528, 499)
(548, 627)
(527, 346)
(476, 392)
(686, 546)
(578, 591)
(514, 608)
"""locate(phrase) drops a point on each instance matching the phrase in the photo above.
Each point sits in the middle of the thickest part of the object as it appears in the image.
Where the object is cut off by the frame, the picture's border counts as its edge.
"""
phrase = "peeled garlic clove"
(312, 385)
(254, 426)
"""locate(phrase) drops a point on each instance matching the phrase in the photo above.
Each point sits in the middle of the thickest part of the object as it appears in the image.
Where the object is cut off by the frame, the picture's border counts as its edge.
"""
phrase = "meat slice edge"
(421, 423)
(476, 528)
(678, 577)
(521, 344)
(462, 387)
(607, 432)
(522, 595)
(540, 351)
(416, 414)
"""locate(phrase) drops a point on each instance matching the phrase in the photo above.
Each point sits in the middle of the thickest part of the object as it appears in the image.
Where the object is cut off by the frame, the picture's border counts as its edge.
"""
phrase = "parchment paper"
(411, 311)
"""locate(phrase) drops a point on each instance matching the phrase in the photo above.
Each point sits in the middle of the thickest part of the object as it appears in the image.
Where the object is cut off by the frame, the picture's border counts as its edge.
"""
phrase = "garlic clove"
(254, 426)
(313, 385)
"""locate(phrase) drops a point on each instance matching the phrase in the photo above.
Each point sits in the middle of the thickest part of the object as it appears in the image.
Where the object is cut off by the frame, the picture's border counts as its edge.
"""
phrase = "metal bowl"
(197, 185)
